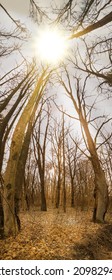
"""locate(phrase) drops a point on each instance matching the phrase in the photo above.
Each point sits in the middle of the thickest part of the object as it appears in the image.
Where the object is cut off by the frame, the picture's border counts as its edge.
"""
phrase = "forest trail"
(55, 235)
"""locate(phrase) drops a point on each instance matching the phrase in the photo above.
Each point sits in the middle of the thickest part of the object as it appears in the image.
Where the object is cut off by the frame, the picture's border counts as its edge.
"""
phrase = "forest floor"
(55, 235)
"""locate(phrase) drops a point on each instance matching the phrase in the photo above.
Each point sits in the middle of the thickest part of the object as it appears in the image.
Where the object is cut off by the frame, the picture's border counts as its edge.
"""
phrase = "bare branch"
(105, 20)
(101, 128)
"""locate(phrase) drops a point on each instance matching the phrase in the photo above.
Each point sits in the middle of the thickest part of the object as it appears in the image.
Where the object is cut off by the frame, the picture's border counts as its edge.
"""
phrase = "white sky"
(19, 9)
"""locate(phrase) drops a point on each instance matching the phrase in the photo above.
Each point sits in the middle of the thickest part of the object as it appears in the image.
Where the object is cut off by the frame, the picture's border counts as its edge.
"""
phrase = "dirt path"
(54, 235)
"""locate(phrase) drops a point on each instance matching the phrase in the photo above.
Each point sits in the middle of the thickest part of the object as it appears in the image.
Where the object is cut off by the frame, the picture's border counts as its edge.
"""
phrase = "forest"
(56, 130)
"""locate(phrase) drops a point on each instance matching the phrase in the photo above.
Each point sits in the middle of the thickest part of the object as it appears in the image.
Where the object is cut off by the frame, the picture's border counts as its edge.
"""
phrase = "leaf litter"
(55, 235)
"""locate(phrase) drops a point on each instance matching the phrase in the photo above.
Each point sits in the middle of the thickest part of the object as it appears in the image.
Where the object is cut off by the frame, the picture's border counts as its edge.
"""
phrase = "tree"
(79, 101)
(58, 135)
(72, 162)
(106, 158)
(23, 158)
(56, 144)
(10, 223)
(77, 16)
(95, 52)
(39, 146)
(105, 20)
(18, 95)
(64, 166)
(8, 83)
(15, 36)
(37, 13)
(90, 16)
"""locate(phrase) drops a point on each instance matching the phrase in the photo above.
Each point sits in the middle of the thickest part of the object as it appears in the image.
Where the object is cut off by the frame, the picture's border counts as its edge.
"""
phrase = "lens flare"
(51, 46)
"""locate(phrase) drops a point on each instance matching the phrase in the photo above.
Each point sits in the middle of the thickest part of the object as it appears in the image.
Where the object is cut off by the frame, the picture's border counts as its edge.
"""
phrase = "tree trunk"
(10, 221)
(21, 170)
(101, 197)
(101, 188)
(64, 173)
(58, 193)
(43, 198)
(103, 21)
(1, 218)
(72, 193)
(21, 164)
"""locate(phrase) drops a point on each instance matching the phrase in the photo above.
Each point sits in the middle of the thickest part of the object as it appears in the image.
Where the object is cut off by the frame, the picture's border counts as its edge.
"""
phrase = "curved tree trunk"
(10, 220)
(101, 188)
(100, 196)
(21, 170)
(22, 162)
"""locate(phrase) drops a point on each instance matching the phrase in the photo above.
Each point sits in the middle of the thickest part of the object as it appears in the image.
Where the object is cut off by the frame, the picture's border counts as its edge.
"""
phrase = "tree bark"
(100, 195)
(101, 188)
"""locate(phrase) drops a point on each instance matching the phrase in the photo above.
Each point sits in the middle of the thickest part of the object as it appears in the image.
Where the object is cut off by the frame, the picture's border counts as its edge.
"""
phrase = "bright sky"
(19, 9)
(22, 6)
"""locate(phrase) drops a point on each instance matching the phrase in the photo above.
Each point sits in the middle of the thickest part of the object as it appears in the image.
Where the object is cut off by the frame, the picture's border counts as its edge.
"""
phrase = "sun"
(51, 46)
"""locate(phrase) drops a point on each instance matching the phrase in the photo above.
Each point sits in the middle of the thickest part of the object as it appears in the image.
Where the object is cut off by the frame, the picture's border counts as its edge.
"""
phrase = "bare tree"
(23, 157)
(72, 162)
(79, 101)
(40, 146)
(95, 53)
(18, 95)
(64, 164)
(15, 36)
(77, 16)
(105, 20)
(37, 13)
(13, 100)
(10, 224)
(56, 140)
